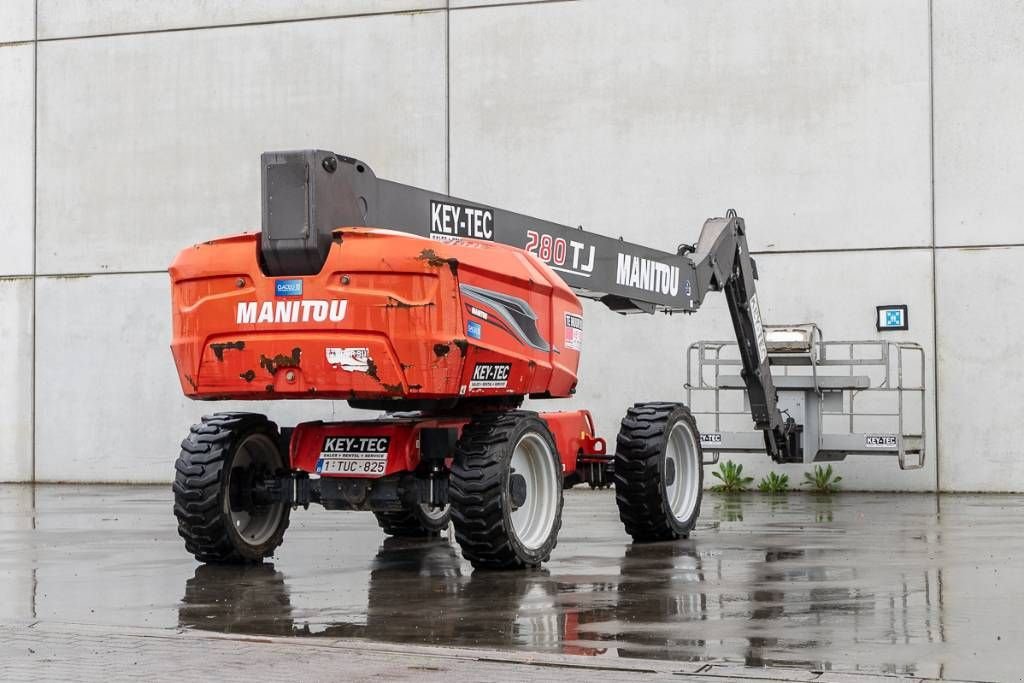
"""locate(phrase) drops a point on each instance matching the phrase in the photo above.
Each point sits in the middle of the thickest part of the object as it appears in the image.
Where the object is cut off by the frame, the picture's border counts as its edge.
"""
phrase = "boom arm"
(308, 194)
(722, 262)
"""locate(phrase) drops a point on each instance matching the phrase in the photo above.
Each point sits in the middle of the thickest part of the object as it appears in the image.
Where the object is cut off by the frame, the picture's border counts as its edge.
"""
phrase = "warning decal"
(573, 331)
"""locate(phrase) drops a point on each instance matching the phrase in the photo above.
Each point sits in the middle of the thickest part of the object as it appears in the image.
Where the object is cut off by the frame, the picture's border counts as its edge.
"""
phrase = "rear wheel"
(659, 473)
(506, 491)
(221, 462)
(417, 522)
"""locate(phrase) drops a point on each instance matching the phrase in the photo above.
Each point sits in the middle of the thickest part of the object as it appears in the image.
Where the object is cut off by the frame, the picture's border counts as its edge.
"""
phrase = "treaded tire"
(479, 491)
(640, 472)
(201, 485)
(411, 523)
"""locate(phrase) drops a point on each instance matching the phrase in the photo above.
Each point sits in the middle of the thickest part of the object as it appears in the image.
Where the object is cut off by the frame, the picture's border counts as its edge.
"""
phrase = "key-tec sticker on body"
(880, 441)
(573, 331)
(490, 376)
(354, 455)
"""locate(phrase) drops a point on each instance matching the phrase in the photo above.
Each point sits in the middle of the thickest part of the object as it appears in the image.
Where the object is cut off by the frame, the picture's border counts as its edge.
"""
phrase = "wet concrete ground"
(923, 585)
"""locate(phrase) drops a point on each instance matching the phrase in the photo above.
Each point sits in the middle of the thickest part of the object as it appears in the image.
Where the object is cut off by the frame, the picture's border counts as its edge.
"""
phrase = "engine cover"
(389, 317)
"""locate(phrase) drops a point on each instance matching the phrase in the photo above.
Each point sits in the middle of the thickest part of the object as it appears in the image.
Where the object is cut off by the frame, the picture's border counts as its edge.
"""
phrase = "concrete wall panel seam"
(35, 186)
(931, 171)
(411, 8)
(448, 97)
(460, 5)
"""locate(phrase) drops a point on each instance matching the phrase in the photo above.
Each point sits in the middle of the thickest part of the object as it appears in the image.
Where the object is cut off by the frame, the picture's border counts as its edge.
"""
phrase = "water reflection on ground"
(909, 584)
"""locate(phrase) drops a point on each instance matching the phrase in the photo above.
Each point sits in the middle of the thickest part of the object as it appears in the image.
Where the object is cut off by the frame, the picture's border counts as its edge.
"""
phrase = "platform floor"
(96, 585)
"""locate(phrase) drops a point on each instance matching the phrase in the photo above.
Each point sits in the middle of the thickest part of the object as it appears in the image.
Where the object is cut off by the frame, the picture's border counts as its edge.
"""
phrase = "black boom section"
(307, 194)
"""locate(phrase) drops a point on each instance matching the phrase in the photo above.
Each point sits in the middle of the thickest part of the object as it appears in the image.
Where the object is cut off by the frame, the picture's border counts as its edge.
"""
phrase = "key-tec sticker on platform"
(490, 376)
(573, 331)
(710, 439)
(349, 359)
(880, 441)
(354, 455)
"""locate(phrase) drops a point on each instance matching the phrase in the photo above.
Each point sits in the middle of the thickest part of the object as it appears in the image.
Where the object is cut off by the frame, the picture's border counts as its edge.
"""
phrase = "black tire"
(413, 523)
(645, 480)
(481, 497)
(208, 511)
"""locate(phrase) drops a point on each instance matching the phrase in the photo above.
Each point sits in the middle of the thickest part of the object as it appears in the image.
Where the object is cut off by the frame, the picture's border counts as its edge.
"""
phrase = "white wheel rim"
(533, 460)
(683, 457)
(258, 526)
(433, 513)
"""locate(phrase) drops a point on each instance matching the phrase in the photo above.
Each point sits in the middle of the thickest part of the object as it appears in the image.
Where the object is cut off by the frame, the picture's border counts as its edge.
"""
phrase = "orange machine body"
(390, 317)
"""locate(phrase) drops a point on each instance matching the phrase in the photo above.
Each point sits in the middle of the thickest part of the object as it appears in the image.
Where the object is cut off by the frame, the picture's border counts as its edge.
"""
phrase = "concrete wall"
(873, 146)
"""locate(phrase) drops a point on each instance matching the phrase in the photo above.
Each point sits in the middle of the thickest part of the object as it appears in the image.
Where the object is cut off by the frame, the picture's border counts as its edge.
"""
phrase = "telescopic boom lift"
(446, 314)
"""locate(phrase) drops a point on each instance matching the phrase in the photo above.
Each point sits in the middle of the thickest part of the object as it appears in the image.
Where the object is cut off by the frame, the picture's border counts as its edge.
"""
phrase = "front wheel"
(222, 461)
(659, 473)
(505, 489)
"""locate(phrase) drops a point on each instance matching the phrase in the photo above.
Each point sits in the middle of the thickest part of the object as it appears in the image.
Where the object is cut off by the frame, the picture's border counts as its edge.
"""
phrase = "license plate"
(354, 455)
(353, 465)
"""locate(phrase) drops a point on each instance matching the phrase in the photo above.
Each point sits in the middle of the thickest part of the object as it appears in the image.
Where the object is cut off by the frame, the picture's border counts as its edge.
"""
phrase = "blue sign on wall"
(892, 318)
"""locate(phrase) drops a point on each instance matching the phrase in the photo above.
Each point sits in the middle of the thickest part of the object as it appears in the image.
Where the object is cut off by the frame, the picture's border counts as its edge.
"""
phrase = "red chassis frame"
(573, 433)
